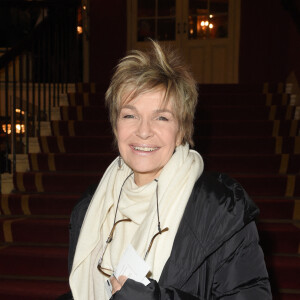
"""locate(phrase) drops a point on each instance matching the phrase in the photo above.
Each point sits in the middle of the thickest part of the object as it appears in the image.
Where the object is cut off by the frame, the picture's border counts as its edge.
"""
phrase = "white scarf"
(175, 184)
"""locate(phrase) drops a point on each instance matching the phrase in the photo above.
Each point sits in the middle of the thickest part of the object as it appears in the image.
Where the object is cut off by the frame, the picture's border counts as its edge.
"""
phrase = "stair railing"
(34, 73)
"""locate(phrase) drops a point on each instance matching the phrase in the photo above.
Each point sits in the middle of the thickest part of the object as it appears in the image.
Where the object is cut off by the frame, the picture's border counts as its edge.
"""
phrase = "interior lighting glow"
(18, 110)
(79, 29)
(19, 128)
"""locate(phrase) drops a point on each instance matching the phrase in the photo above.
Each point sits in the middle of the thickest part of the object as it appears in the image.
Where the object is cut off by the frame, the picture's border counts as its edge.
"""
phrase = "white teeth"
(147, 149)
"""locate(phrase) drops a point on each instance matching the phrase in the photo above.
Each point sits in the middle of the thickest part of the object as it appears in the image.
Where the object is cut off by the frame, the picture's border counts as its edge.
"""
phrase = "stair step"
(246, 145)
(45, 128)
(7, 183)
(34, 145)
(81, 128)
(271, 208)
(55, 182)
(56, 113)
(279, 237)
(34, 261)
(22, 162)
(272, 163)
(274, 112)
(18, 289)
(69, 144)
(284, 271)
(246, 128)
(95, 162)
(269, 185)
(287, 295)
(38, 204)
(46, 231)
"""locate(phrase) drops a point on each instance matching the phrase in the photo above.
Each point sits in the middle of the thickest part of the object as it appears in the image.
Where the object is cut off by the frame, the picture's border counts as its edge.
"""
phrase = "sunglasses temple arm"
(151, 242)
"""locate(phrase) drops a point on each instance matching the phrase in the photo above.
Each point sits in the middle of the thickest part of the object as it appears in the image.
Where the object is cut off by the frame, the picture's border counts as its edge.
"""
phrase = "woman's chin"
(143, 176)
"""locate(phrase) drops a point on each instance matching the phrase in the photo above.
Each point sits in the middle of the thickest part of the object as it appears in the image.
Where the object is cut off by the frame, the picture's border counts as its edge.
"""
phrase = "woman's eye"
(128, 116)
(162, 118)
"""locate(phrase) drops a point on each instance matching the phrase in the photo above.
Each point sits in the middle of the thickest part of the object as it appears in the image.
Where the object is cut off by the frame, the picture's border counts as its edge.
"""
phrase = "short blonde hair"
(143, 71)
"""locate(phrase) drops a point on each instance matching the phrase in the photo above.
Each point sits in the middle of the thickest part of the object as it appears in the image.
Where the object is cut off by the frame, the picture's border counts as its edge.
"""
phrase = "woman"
(195, 231)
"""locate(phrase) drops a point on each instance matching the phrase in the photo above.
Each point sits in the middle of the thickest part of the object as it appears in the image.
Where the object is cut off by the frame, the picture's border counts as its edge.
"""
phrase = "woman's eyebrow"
(164, 111)
(128, 106)
(156, 111)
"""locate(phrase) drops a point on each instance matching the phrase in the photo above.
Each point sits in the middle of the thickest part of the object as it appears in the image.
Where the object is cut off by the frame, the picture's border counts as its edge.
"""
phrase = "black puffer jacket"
(215, 255)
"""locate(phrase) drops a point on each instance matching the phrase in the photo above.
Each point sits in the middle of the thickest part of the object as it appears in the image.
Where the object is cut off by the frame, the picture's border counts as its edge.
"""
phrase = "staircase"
(248, 131)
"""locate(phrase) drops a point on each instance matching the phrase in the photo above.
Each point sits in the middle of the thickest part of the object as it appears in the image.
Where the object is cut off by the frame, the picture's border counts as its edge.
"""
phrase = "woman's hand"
(117, 283)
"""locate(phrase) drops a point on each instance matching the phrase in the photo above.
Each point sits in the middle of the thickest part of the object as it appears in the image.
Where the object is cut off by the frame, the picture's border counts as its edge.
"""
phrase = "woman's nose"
(144, 129)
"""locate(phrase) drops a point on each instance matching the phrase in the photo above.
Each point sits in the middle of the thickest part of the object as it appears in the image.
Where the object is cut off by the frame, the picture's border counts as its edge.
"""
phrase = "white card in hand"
(132, 266)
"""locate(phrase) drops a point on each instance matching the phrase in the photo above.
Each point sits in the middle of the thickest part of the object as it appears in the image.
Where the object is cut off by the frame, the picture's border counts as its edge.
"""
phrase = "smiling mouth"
(145, 149)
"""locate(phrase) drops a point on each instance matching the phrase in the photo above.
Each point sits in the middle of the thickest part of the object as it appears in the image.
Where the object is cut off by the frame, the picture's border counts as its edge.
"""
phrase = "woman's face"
(147, 134)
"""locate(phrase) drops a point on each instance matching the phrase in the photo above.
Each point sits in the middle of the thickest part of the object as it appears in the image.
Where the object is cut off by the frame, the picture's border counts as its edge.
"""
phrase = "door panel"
(200, 57)
(219, 64)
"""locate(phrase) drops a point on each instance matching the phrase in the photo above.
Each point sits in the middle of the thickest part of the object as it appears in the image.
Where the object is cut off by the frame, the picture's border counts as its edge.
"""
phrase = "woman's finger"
(122, 279)
(115, 284)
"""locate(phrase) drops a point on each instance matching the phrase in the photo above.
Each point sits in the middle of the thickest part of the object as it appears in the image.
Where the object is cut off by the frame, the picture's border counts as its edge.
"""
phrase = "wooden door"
(206, 31)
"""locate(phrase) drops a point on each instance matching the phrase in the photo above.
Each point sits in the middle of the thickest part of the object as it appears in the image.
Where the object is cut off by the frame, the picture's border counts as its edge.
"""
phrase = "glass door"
(208, 19)
(156, 19)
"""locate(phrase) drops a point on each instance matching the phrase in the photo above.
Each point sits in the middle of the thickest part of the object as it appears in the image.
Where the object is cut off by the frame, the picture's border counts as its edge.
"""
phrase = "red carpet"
(36, 261)
(247, 131)
(27, 289)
